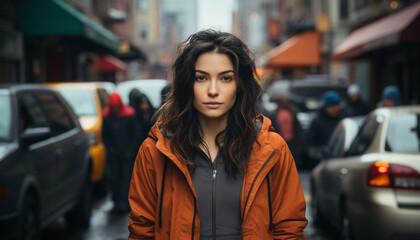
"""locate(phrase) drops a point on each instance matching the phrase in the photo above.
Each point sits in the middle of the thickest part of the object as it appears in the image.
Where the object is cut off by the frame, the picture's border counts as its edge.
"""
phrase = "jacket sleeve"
(143, 195)
(288, 201)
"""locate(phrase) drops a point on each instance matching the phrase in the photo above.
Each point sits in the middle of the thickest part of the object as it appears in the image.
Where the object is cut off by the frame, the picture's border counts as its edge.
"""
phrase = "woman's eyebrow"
(221, 73)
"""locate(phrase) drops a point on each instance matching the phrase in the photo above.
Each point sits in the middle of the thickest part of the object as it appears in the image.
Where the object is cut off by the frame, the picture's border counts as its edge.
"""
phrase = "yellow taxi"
(88, 99)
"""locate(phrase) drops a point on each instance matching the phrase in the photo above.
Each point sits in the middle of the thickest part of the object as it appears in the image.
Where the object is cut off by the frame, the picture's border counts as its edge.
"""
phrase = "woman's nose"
(213, 89)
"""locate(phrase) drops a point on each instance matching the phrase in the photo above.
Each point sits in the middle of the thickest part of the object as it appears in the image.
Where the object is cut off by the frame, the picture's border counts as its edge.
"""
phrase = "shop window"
(344, 10)
(143, 5)
(144, 31)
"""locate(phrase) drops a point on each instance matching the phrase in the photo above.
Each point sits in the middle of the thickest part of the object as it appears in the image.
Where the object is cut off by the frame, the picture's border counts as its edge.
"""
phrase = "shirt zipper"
(213, 200)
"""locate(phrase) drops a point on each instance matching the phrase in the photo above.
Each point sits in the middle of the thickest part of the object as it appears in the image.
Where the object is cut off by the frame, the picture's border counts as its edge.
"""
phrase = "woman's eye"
(200, 78)
(227, 78)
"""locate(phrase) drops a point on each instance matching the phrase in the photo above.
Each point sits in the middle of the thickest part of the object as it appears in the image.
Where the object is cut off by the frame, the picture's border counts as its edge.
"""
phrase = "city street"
(83, 83)
(105, 226)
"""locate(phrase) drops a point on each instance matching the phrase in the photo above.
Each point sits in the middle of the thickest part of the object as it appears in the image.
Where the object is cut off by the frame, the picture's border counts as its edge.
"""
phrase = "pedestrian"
(120, 136)
(290, 129)
(133, 96)
(390, 97)
(323, 125)
(211, 167)
(355, 106)
(144, 114)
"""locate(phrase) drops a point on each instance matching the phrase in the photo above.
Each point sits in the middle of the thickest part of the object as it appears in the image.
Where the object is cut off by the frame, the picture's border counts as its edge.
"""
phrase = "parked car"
(88, 100)
(372, 191)
(44, 162)
(152, 88)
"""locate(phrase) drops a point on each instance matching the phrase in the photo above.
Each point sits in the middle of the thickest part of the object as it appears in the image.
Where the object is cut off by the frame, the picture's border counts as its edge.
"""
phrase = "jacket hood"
(115, 100)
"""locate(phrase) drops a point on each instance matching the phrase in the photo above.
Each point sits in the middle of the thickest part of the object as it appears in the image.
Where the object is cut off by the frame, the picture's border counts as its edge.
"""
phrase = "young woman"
(211, 167)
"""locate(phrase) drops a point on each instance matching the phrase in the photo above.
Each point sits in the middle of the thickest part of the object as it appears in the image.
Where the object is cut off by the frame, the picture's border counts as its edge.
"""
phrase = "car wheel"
(317, 217)
(28, 222)
(345, 229)
(79, 216)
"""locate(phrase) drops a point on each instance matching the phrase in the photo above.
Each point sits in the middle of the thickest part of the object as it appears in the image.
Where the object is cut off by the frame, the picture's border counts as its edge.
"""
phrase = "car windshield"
(82, 101)
(403, 134)
(5, 119)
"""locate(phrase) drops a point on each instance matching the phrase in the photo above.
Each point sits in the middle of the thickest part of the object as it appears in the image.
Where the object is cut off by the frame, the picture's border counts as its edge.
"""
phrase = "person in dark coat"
(144, 114)
(120, 136)
(323, 125)
(355, 105)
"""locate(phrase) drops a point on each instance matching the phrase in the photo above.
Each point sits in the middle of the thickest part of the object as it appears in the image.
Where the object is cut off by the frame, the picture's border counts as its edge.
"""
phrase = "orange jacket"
(170, 210)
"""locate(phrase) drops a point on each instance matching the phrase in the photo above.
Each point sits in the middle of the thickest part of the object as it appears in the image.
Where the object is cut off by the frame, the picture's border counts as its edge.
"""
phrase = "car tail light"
(382, 174)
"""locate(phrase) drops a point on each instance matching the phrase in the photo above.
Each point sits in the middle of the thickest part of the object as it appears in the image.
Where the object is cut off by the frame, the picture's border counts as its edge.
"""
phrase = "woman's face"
(215, 86)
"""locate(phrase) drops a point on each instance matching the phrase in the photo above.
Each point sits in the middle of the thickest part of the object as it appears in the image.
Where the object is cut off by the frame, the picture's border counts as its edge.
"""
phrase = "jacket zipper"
(252, 186)
(214, 204)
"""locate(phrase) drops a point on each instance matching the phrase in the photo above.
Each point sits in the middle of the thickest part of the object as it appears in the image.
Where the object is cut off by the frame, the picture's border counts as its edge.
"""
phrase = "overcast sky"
(216, 14)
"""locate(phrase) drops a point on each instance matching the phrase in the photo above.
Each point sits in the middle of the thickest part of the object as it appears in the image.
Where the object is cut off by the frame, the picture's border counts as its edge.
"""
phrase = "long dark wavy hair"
(180, 118)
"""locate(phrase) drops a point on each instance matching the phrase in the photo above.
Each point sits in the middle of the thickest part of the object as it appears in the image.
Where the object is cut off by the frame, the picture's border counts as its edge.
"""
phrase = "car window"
(336, 143)
(365, 136)
(82, 101)
(57, 115)
(403, 135)
(30, 113)
(6, 118)
(103, 97)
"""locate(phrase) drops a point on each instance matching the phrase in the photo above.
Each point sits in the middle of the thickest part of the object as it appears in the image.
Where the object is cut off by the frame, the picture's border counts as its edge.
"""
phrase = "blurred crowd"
(307, 146)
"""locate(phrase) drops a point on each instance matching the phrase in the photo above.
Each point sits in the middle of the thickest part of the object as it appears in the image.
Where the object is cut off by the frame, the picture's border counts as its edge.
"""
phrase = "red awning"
(401, 26)
(110, 64)
(298, 51)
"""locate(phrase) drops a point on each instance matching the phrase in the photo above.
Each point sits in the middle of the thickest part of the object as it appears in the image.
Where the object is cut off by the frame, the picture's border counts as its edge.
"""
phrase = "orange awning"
(110, 64)
(403, 25)
(298, 51)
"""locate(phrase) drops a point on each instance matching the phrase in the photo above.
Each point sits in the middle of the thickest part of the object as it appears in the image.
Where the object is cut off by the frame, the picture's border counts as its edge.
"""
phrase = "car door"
(330, 179)
(69, 152)
(39, 155)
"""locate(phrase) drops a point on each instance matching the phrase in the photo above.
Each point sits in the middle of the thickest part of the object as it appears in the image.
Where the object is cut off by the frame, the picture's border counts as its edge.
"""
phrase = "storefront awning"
(299, 51)
(110, 64)
(401, 26)
(57, 18)
(128, 51)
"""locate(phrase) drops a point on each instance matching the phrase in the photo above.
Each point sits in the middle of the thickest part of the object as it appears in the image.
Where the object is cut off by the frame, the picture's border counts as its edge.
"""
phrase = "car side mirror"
(32, 135)
(325, 153)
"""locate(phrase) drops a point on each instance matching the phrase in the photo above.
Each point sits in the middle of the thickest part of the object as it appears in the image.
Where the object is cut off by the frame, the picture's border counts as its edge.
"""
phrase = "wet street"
(107, 226)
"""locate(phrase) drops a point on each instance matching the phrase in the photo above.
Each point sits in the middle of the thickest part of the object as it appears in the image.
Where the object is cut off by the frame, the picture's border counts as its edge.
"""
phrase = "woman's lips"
(212, 105)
